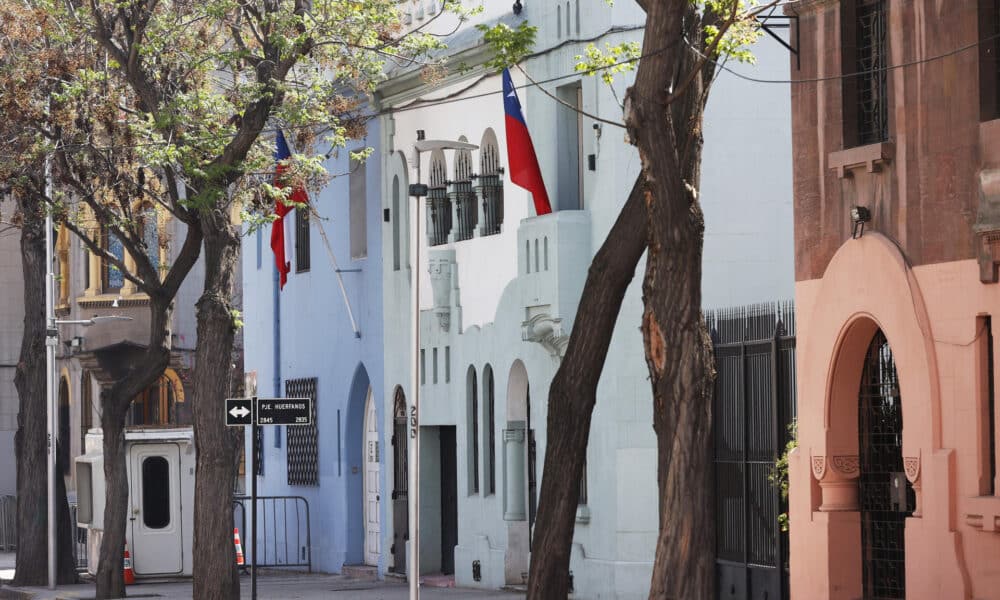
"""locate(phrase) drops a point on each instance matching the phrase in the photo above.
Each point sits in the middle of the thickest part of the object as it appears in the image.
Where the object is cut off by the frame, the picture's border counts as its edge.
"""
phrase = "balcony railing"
(466, 211)
(438, 216)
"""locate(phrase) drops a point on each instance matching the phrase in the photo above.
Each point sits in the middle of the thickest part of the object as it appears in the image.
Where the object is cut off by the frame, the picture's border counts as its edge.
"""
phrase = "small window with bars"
(301, 239)
(865, 46)
(302, 441)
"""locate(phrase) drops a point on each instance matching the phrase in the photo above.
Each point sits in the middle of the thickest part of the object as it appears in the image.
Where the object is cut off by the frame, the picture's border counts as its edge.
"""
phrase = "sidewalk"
(270, 586)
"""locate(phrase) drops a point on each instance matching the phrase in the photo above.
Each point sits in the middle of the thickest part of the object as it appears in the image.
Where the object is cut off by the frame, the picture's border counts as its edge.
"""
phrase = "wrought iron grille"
(303, 440)
(399, 442)
(880, 441)
(490, 188)
(872, 89)
(302, 256)
(438, 205)
(753, 406)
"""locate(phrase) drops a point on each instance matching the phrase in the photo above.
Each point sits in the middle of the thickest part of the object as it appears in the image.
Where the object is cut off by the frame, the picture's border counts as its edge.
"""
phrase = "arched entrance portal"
(400, 497)
(885, 495)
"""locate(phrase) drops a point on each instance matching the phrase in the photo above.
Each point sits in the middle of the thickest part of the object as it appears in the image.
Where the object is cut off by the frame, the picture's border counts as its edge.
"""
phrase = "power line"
(457, 97)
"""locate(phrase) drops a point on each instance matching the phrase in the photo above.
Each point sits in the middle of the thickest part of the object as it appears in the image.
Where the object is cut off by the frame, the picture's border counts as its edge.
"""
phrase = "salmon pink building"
(896, 134)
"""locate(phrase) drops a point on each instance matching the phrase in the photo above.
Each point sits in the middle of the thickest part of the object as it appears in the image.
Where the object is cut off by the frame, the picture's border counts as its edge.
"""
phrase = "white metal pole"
(414, 459)
(51, 340)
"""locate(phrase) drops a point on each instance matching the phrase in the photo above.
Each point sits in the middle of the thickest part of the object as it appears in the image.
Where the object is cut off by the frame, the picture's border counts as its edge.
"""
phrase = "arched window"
(63, 443)
(489, 440)
(472, 394)
(86, 409)
(396, 218)
(463, 195)
(490, 186)
(112, 279)
(438, 203)
(157, 405)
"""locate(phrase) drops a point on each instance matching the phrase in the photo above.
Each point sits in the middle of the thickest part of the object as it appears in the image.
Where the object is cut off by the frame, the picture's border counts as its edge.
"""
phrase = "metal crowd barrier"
(284, 536)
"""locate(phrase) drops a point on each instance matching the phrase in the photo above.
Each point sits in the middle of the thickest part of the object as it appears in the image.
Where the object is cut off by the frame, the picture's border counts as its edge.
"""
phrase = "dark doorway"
(400, 502)
(886, 496)
(449, 500)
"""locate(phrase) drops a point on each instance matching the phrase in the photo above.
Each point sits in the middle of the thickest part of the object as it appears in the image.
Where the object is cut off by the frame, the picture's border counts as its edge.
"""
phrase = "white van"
(160, 464)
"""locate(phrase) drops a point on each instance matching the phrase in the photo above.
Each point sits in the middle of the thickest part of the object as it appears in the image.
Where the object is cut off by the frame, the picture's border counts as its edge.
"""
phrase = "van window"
(84, 495)
(156, 492)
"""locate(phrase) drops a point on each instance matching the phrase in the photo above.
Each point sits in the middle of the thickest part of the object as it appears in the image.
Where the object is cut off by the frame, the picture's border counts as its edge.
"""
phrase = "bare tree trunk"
(115, 403)
(573, 393)
(664, 122)
(215, 574)
(30, 440)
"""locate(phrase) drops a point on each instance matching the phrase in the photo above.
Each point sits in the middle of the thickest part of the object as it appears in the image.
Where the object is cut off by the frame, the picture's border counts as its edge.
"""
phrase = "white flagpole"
(336, 271)
(413, 489)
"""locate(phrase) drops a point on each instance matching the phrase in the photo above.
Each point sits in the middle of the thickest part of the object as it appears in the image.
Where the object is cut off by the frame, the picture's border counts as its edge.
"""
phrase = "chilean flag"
(280, 239)
(524, 169)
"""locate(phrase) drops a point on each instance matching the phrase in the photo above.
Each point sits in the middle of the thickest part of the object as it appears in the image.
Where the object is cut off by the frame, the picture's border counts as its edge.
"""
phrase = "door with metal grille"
(885, 495)
(400, 508)
(753, 407)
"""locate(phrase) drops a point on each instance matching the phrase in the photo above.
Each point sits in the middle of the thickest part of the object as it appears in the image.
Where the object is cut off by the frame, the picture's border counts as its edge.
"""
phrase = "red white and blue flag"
(524, 169)
(280, 237)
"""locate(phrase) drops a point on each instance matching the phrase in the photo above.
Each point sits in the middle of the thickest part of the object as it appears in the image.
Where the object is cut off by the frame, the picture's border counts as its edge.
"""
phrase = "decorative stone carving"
(546, 331)
(847, 466)
(911, 464)
(441, 267)
(819, 467)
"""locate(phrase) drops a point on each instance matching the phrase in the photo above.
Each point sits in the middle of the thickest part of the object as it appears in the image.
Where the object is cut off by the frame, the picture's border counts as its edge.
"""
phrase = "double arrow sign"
(268, 411)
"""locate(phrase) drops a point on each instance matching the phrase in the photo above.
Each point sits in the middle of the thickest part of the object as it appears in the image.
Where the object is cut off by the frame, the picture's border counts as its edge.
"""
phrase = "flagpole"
(413, 489)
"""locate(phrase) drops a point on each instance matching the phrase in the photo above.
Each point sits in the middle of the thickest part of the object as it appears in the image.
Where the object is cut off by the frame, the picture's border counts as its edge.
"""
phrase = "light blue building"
(322, 339)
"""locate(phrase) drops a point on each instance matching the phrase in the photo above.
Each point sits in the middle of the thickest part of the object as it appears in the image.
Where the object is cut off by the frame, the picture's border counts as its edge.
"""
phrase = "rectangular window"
(112, 279)
(989, 60)
(434, 365)
(865, 51)
(302, 455)
(569, 124)
(358, 205)
(473, 421)
(155, 492)
(423, 366)
(491, 439)
(260, 244)
(989, 412)
(447, 364)
(583, 485)
(301, 239)
(396, 224)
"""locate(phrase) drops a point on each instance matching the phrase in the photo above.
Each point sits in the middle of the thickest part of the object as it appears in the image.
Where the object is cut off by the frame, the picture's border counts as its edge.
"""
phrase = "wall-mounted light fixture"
(859, 216)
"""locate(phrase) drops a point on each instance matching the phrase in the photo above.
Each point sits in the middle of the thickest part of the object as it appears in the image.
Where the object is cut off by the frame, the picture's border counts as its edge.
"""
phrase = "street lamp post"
(51, 340)
(418, 190)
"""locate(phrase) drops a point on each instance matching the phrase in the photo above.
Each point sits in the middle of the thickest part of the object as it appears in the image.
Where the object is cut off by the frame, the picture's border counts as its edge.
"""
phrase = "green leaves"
(509, 45)
(612, 60)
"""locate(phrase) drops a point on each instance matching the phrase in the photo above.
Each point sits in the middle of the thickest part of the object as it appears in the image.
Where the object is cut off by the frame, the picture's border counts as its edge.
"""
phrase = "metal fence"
(8, 523)
(753, 407)
(284, 536)
(79, 540)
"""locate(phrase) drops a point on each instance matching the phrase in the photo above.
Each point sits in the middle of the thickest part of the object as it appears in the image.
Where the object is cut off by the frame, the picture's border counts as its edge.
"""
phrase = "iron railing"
(490, 190)
(438, 216)
(465, 209)
(284, 536)
(753, 406)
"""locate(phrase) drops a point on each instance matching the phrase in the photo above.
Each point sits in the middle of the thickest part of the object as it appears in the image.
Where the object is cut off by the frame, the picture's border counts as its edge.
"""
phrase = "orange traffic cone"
(239, 546)
(129, 573)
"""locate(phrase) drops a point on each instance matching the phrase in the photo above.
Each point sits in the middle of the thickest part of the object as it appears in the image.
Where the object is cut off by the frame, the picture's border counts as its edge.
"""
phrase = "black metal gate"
(400, 502)
(754, 405)
(885, 495)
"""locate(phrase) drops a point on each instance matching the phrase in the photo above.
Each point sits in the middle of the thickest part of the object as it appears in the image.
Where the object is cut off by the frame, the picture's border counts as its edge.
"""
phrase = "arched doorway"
(885, 495)
(400, 497)
(372, 491)
(518, 473)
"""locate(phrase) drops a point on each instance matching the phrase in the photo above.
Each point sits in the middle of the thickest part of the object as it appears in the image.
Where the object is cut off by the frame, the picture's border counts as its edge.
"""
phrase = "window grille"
(464, 197)
(872, 88)
(302, 239)
(490, 187)
(438, 203)
(303, 440)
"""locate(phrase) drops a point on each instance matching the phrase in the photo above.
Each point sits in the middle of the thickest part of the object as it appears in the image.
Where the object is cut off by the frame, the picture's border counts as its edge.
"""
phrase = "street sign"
(284, 411)
(239, 412)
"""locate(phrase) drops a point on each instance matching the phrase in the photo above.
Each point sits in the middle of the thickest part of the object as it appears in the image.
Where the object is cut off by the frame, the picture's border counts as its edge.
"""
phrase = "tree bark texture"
(573, 393)
(215, 574)
(666, 129)
(30, 440)
(115, 402)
